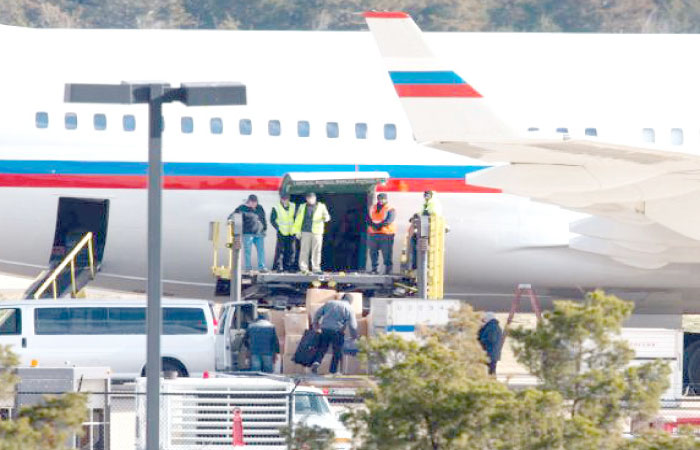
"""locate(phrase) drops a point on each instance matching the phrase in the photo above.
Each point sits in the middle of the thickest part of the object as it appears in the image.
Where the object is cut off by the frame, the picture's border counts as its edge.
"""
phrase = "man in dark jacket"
(331, 320)
(254, 228)
(261, 340)
(490, 338)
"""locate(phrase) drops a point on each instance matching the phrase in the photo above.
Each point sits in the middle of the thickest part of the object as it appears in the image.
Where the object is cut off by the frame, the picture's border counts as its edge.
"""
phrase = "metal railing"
(87, 242)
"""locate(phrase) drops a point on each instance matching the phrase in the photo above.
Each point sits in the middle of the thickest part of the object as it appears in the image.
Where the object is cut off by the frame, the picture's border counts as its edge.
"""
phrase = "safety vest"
(285, 218)
(320, 217)
(432, 206)
(379, 217)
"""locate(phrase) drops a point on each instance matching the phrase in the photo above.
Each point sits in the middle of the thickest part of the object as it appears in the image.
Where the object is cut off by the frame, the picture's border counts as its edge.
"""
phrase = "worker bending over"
(381, 231)
(254, 228)
(332, 320)
(261, 340)
(282, 219)
(308, 227)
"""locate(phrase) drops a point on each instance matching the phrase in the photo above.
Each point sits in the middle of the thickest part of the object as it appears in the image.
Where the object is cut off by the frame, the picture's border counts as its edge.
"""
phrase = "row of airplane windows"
(648, 134)
(216, 126)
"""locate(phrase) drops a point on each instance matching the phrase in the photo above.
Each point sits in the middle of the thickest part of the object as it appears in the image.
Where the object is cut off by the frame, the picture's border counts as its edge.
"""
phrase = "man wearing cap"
(332, 320)
(254, 228)
(490, 336)
(282, 219)
(381, 231)
(261, 340)
(309, 227)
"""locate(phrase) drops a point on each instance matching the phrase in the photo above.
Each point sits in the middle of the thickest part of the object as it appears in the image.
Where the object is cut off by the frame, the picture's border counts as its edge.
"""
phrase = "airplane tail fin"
(440, 105)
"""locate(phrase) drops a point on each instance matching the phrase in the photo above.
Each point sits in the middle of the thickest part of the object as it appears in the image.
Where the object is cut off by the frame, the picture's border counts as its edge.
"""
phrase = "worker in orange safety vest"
(380, 233)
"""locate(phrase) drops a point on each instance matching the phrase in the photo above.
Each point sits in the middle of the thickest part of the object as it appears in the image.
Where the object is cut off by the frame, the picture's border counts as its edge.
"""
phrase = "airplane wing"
(650, 194)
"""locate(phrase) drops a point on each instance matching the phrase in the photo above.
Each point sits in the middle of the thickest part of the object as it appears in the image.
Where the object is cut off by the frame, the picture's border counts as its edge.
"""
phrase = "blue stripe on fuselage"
(437, 77)
(224, 169)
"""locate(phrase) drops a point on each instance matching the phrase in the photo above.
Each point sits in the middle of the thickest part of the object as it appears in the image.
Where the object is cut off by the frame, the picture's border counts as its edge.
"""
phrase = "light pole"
(155, 94)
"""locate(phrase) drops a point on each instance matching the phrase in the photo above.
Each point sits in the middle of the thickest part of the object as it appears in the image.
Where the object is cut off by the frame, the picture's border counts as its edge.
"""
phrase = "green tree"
(576, 351)
(46, 426)
(428, 394)
(305, 437)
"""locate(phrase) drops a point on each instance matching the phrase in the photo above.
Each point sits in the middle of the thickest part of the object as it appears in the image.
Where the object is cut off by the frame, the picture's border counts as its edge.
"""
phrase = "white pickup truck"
(199, 413)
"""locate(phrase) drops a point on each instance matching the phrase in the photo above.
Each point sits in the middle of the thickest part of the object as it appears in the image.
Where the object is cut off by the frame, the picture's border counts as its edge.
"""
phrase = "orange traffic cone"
(237, 428)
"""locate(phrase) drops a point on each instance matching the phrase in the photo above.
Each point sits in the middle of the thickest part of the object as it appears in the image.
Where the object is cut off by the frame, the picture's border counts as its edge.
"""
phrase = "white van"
(109, 333)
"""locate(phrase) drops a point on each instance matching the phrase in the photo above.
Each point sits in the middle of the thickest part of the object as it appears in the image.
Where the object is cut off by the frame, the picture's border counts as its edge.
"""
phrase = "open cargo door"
(348, 196)
(74, 219)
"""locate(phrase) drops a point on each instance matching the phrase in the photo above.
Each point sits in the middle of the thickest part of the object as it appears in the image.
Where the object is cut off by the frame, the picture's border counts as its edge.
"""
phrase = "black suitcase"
(306, 350)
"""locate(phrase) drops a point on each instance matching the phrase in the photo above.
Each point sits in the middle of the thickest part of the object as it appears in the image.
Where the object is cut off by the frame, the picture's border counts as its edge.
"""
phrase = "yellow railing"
(70, 260)
(223, 272)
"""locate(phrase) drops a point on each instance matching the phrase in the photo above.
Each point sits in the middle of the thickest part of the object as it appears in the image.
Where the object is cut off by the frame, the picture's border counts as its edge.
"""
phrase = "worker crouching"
(381, 232)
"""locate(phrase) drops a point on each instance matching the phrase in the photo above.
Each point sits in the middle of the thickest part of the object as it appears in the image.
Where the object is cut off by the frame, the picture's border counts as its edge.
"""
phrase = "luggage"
(306, 350)
(350, 347)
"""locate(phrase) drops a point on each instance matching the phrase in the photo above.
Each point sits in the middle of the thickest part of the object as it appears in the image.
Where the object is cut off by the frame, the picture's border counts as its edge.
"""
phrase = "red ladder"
(528, 290)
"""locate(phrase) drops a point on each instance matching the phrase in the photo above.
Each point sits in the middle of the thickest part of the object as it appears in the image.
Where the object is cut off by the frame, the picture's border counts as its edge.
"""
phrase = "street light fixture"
(155, 94)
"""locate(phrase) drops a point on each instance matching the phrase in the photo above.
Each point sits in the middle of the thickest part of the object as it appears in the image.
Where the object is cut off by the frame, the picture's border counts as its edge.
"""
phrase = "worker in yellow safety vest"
(431, 205)
(380, 232)
(309, 227)
(282, 219)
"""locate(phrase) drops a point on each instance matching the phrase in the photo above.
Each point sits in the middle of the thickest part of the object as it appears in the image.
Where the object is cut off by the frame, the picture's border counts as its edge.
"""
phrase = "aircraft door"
(75, 217)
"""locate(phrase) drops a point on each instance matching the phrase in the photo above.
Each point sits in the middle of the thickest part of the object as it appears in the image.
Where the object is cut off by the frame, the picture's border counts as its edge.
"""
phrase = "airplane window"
(129, 122)
(389, 131)
(591, 132)
(42, 120)
(100, 122)
(303, 128)
(274, 128)
(187, 125)
(332, 130)
(216, 125)
(533, 129)
(677, 136)
(562, 130)
(245, 127)
(648, 135)
(71, 121)
(361, 130)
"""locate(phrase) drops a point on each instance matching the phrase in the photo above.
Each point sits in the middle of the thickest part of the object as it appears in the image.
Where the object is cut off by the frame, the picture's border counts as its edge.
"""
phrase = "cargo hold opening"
(75, 217)
(348, 196)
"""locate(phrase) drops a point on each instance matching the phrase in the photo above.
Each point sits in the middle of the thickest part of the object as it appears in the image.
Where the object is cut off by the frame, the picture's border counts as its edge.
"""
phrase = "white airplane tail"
(440, 105)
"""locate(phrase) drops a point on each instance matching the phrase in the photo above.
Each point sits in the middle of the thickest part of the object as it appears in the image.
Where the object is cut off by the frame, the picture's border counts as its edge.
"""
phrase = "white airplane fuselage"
(496, 240)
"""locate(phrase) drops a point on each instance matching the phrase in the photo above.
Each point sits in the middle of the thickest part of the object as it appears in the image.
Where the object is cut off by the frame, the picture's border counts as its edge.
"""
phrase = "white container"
(403, 315)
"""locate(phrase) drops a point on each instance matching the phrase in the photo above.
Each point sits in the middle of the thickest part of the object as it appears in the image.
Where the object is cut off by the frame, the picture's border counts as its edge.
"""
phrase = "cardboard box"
(291, 342)
(277, 319)
(289, 367)
(356, 303)
(296, 323)
(363, 326)
(325, 367)
(312, 309)
(316, 296)
(353, 366)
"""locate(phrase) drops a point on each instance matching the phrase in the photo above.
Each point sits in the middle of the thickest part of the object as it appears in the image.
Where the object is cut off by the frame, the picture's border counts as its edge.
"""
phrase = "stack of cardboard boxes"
(290, 326)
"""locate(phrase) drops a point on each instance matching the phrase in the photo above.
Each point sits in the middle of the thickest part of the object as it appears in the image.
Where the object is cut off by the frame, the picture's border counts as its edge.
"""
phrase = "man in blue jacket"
(490, 338)
(261, 340)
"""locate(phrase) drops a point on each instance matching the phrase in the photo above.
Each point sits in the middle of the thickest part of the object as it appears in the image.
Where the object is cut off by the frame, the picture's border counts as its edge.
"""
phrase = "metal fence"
(190, 420)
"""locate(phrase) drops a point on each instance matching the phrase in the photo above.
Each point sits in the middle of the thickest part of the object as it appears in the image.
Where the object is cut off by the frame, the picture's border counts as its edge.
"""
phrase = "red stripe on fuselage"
(436, 90)
(385, 15)
(454, 185)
